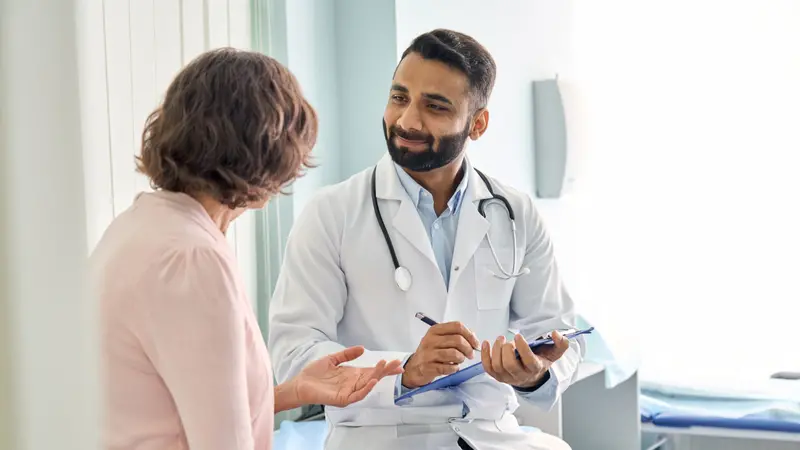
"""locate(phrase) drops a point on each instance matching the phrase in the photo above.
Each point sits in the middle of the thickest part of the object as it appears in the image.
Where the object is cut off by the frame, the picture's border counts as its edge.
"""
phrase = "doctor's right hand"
(442, 349)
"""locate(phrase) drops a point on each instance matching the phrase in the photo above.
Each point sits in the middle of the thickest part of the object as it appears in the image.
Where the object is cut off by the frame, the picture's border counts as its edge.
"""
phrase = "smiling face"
(430, 115)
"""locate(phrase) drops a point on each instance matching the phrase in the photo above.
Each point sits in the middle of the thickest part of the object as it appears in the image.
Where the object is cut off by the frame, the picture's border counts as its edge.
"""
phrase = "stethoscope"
(402, 276)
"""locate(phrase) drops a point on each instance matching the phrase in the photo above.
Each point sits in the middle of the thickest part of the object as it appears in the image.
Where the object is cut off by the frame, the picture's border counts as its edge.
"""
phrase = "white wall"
(129, 52)
(529, 40)
(49, 377)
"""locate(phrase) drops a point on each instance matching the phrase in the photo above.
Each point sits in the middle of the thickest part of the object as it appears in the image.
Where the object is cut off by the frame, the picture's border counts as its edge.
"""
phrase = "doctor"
(424, 231)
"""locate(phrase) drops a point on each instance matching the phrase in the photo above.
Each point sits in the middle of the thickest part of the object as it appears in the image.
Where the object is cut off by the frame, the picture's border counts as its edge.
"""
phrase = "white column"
(49, 383)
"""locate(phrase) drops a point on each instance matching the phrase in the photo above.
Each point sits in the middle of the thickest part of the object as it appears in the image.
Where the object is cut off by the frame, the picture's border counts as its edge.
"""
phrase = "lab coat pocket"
(492, 292)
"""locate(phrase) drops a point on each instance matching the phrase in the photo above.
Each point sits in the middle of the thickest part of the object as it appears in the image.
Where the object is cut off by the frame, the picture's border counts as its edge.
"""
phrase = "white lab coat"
(336, 289)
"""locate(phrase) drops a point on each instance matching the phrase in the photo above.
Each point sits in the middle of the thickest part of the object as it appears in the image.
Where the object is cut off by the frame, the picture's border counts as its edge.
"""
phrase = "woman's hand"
(326, 382)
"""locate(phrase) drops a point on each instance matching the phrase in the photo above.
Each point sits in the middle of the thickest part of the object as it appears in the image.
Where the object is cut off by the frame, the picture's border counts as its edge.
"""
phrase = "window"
(686, 208)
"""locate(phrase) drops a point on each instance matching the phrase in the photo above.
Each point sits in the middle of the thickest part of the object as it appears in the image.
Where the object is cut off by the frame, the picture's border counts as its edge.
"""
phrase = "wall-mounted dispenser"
(550, 139)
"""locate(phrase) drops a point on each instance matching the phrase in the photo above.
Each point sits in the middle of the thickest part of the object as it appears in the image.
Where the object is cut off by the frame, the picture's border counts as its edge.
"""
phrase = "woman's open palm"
(327, 382)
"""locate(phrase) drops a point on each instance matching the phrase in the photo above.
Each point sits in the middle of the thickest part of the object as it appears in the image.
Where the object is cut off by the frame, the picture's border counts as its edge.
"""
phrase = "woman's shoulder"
(141, 260)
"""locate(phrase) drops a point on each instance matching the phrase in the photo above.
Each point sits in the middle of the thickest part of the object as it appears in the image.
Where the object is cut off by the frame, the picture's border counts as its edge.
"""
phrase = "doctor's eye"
(436, 108)
(398, 98)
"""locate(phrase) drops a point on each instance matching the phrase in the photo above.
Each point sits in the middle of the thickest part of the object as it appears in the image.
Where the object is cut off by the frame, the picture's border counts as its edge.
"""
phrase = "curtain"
(272, 224)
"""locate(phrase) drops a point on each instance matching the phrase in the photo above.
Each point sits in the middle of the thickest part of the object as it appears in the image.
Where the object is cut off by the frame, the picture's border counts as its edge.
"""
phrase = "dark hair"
(460, 52)
(234, 125)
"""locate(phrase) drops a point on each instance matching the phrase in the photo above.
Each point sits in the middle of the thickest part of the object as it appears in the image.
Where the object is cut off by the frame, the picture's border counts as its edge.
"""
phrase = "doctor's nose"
(410, 120)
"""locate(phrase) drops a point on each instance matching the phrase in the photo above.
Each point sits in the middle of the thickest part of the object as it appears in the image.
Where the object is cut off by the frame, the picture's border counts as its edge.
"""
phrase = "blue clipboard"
(476, 369)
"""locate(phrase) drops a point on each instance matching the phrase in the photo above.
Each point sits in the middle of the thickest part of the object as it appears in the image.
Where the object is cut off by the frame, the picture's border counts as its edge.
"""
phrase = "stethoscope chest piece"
(402, 277)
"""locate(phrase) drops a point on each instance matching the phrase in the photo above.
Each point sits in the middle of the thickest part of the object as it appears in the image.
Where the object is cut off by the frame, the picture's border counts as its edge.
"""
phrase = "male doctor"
(340, 284)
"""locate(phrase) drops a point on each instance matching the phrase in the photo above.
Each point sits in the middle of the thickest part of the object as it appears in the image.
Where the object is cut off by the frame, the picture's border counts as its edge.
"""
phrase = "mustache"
(411, 135)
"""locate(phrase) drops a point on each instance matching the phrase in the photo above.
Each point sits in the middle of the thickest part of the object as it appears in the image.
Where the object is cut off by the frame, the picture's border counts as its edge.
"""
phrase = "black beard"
(450, 147)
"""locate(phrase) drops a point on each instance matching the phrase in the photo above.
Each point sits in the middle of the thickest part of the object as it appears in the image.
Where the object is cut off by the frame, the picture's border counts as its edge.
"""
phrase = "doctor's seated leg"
(423, 231)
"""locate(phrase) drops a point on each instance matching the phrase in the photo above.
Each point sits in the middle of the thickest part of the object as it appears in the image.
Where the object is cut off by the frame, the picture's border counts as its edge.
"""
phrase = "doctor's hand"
(442, 349)
(529, 369)
(326, 382)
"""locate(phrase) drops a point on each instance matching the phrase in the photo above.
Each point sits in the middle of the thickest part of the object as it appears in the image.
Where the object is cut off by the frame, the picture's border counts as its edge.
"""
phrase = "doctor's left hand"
(326, 382)
(529, 369)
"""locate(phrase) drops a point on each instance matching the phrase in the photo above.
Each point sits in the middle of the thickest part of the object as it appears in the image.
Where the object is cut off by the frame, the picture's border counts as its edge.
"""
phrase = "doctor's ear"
(479, 124)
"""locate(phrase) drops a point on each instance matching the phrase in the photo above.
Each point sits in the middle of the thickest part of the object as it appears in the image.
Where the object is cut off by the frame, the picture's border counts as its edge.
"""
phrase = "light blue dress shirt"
(441, 229)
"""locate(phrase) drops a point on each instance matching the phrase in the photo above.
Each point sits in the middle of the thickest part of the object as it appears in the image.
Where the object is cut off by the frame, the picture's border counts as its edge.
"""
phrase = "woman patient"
(186, 365)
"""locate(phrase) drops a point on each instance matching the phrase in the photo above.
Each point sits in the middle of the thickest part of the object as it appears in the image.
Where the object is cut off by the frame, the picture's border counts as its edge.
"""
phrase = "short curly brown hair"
(233, 125)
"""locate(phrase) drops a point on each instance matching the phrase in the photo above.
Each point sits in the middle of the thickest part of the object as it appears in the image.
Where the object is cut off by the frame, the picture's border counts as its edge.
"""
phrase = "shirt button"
(436, 225)
(457, 430)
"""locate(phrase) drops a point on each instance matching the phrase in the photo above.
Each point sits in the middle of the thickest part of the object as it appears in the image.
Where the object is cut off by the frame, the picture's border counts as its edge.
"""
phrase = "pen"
(431, 322)
(425, 319)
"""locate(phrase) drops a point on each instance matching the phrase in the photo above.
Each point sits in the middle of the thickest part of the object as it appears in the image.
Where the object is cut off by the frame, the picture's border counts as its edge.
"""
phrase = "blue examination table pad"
(701, 400)
(311, 435)
(773, 405)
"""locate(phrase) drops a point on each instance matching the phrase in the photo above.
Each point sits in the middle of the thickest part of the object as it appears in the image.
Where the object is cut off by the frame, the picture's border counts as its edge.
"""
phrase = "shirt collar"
(415, 191)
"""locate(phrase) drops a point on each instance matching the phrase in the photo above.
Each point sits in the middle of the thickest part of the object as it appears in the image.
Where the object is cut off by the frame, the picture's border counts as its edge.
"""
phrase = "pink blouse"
(186, 364)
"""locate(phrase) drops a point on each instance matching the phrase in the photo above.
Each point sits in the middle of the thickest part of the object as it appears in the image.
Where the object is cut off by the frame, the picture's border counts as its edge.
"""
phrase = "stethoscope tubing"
(403, 275)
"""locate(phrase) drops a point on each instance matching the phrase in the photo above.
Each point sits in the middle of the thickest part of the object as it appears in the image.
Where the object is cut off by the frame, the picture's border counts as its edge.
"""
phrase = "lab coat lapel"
(472, 226)
(406, 220)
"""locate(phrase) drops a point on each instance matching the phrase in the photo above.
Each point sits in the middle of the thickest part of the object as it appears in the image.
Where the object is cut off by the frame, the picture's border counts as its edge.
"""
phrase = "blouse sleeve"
(196, 341)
